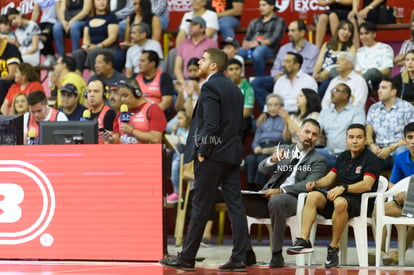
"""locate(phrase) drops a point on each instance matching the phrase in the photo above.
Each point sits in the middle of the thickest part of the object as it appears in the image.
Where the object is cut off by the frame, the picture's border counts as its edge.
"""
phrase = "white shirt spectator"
(289, 91)
(134, 52)
(359, 90)
(379, 56)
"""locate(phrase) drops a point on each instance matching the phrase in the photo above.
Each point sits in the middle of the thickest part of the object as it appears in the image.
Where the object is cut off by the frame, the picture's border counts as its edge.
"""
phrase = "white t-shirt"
(24, 35)
(379, 56)
(209, 16)
(48, 8)
(134, 52)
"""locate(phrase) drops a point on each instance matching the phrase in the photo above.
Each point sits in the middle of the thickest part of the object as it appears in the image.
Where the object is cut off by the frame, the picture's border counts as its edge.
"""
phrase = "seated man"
(140, 33)
(385, 123)
(335, 120)
(39, 110)
(70, 102)
(193, 46)
(230, 47)
(281, 191)
(263, 36)
(346, 74)
(105, 71)
(268, 135)
(375, 59)
(156, 85)
(357, 171)
(146, 122)
(403, 167)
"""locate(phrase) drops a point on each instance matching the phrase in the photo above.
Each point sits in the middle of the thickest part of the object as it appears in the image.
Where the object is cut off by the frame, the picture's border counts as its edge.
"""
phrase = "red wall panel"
(91, 202)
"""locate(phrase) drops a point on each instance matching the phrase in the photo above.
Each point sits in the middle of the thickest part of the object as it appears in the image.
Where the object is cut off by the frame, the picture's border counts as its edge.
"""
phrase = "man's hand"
(310, 185)
(127, 129)
(200, 158)
(277, 155)
(277, 76)
(374, 148)
(107, 137)
(258, 150)
(335, 192)
(270, 192)
(400, 198)
(384, 152)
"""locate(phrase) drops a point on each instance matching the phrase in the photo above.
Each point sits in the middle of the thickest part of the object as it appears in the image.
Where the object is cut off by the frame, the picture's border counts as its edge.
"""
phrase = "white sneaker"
(49, 61)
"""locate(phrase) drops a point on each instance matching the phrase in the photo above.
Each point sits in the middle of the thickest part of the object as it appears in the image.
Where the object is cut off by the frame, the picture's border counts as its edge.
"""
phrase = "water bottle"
(249, 53)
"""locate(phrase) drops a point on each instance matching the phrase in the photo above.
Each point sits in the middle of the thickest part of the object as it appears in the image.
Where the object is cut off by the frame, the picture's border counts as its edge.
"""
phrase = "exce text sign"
(94, 202)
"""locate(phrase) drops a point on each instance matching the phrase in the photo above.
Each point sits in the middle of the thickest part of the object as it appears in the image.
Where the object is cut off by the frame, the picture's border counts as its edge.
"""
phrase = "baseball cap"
(230, 41)
(272, 3)
(198, 20)
(70, 88)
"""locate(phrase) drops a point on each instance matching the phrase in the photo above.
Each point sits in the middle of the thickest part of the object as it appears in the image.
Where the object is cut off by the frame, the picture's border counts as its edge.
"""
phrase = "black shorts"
(342, 14)
(354, 206)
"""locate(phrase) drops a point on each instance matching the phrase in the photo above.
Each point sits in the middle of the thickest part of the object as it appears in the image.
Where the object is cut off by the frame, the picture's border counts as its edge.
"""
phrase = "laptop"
(408, 209)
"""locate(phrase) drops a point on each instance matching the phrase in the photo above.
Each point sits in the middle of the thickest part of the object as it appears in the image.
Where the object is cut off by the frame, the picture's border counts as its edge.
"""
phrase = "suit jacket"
(313, 167)
(216, 126)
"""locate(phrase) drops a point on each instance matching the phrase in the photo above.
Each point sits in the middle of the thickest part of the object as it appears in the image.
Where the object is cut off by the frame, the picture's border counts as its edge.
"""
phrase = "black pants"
(47, 38)
(208, 175)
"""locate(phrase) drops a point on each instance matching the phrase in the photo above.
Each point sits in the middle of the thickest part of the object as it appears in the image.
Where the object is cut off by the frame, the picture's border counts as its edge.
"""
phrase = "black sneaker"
(300, 247)
(277, 260)
(232, 265)
(332, 259)
(177, 263)
(250, 258)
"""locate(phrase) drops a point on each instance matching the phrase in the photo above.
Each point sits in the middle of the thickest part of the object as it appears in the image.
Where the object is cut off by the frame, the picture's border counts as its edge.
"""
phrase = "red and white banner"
(92, 202)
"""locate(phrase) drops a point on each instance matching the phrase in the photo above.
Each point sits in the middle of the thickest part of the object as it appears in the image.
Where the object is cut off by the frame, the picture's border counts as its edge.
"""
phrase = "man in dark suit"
(292, 167)
(214, 143)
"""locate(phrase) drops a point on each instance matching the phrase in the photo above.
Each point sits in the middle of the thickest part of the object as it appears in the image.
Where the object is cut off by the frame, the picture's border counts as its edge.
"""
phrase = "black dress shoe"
(277, 260)
(178, 263)
(233, 266)
(250, 258)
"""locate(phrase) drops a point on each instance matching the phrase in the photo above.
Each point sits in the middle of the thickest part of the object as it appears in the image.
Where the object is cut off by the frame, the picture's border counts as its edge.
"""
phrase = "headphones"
(105, 93)
(136, 91)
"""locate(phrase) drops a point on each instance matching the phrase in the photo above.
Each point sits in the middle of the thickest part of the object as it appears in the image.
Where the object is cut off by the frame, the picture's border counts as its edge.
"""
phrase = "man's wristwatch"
(345, 186)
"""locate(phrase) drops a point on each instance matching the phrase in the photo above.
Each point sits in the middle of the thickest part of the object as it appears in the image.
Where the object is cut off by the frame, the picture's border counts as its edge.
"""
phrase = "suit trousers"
(208, 175)
(278, 208)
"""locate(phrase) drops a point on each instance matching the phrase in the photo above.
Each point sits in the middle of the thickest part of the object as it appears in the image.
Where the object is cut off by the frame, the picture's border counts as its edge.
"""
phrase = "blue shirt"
(271, 130)
(308, 51)
(334, 125)
(403, 167)
(388, 125)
